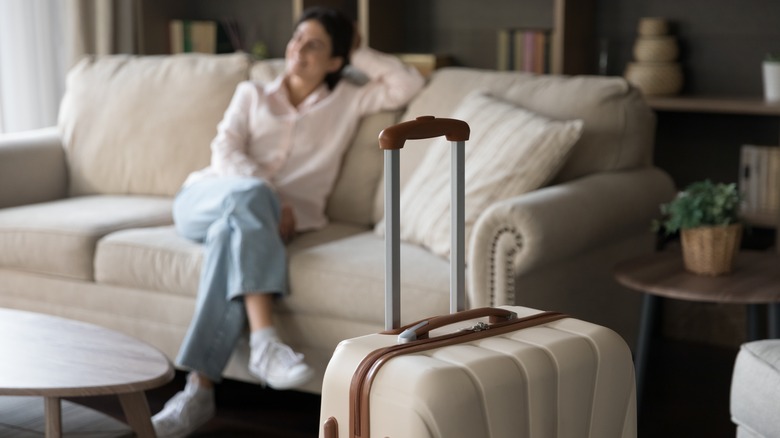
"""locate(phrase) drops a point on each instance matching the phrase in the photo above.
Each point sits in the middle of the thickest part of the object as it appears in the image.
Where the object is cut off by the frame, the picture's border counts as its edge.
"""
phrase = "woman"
(274, 161)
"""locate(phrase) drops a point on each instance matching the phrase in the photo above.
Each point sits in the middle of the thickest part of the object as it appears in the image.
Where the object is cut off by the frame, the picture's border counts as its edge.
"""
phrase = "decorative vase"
(653, 26)
(656, 49)
(655, 78)
(655, 71)
(711, 250)
(771, 74)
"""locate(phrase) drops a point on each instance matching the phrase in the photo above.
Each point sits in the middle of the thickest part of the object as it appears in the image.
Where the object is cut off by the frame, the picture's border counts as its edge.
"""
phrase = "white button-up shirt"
(299, 150)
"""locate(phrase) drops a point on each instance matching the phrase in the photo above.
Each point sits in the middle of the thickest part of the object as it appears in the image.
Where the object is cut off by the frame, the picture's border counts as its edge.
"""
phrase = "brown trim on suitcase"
(495, 314)
(370, 365)
(330, 428)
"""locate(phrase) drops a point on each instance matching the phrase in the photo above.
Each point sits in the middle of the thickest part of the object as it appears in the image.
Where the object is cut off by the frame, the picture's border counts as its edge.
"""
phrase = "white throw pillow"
(511, 151)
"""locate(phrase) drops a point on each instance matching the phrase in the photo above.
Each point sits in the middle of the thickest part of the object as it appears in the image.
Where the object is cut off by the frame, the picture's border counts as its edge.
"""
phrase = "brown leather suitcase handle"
(422, 127)
(420, 329)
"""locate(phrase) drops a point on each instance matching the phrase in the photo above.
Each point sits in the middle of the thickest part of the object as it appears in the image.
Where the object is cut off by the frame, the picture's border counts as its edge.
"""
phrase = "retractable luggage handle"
(391, 140)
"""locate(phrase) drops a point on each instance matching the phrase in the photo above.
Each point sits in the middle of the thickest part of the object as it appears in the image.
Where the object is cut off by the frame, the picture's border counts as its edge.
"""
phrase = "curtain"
(103, 27)
(32, 64)
(41, 39)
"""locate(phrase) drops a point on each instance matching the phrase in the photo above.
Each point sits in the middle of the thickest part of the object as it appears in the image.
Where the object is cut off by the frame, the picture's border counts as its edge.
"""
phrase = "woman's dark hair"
(341, 31)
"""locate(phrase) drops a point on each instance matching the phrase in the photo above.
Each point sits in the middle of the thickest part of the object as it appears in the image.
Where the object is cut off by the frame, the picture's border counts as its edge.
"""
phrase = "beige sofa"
(85, 220)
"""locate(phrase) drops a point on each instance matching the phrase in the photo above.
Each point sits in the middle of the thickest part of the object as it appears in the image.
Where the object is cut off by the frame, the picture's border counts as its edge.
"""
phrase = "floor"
(687, 391)
(687, 395)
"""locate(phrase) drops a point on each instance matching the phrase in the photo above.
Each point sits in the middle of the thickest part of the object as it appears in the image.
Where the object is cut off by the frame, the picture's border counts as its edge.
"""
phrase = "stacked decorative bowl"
(655, 70)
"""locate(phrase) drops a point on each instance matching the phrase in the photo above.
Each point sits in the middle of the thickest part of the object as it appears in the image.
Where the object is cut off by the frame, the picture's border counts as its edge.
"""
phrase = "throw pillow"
(511, 151)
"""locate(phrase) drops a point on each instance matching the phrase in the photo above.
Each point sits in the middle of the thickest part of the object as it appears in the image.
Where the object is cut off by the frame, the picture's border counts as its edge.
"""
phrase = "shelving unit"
(728, 106)
(385, 25)
(573, 49)
(462, 29)
(720, 105)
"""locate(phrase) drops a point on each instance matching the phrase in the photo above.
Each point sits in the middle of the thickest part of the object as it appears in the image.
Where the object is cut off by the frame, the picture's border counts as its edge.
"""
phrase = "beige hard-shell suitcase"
(508, 371)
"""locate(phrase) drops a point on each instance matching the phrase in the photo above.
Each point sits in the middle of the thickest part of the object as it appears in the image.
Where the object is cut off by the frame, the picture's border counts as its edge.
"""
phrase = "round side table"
(54, 357)
(754, 282)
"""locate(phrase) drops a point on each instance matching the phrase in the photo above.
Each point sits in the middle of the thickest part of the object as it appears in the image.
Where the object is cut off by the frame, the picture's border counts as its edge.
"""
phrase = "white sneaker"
(185, 412)
(276, 364)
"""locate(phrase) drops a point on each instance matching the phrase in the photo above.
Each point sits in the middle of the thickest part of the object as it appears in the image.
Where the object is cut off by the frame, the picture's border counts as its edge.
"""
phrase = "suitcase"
(508, 371)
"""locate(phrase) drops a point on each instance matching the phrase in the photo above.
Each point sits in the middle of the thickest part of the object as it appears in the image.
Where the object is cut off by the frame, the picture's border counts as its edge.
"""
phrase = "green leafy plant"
(772, 57)
(701, 204)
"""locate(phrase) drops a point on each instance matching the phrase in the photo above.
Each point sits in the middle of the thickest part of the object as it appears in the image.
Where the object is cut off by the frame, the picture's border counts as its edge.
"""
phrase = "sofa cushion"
(141, 124)
(352, 198)
(59, 237)
(154, 258)
(619, 126)
(511, 151)
(158, 259)
(266, 70)
(354, 286)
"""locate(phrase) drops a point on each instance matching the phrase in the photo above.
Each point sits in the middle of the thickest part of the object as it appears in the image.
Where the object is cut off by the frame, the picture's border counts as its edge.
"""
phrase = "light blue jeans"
(237, 219)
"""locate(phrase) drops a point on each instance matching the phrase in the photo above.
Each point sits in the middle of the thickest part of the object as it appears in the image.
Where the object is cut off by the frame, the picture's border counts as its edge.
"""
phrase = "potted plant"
(707, 216)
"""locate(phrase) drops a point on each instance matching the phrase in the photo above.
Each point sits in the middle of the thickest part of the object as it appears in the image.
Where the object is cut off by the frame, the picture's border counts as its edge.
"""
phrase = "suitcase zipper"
(370, 365)
(478, 327)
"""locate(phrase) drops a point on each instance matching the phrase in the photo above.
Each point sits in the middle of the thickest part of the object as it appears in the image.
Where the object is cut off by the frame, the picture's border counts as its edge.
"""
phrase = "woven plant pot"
(711, 250)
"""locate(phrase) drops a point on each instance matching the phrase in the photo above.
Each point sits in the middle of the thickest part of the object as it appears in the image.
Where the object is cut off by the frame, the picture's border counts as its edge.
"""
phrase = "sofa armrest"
(558, 222)
(32, 167)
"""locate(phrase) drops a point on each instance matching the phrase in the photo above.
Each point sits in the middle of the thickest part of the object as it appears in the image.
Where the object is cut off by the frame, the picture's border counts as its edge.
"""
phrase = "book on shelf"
(524, 50)
(759, 184)
(203, 36)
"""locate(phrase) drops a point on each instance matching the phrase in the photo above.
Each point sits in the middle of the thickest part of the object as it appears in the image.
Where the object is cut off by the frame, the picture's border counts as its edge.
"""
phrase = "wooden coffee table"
(754, 282)
(53, 357)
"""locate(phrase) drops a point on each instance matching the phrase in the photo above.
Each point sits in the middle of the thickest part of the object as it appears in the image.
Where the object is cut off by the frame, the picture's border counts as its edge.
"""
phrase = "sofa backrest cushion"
(511, 151)
(352, 198)
(141, 124)
(618, 129)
